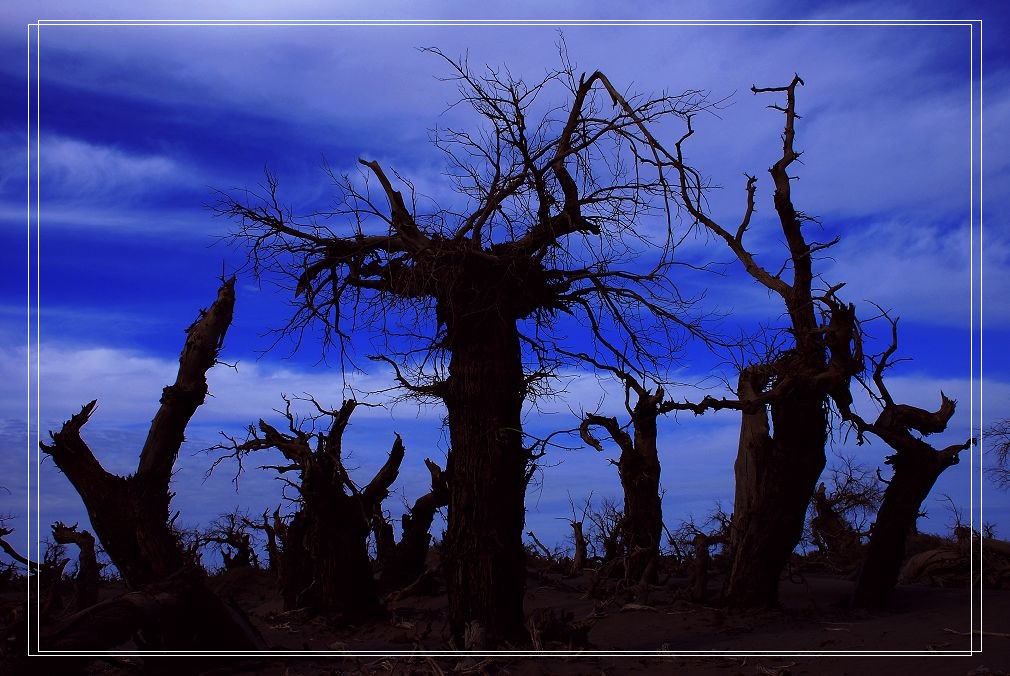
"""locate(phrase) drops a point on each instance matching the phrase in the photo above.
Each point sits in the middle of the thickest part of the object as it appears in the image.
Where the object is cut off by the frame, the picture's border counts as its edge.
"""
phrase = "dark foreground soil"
(813, 632)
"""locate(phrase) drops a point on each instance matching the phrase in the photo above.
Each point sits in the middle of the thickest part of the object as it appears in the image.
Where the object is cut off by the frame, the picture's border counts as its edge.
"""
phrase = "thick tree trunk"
(131, 520)
(336, 542)
(702, 559)
(485, 558)
(915, 471)
(324, 562)
(641, 525)
(776, 473)
(916, 467)
(639, 469)
(895, 522)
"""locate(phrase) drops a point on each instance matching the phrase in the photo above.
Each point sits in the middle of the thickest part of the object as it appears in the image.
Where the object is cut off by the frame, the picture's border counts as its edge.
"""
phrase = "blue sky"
(139, 123)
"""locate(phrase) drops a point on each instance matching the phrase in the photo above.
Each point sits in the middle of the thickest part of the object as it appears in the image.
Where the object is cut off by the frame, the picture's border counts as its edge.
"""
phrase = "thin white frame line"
(516, 22)
(37, 346)
(530, 21)
(644, 23)
(981, 410)
(971, 320)
(494, 24)
(28, 325)
(981, 354)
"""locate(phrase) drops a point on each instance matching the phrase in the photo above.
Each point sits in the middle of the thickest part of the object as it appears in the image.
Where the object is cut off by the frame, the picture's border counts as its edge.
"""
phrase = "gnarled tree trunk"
(642, 527)
(335, 540)
(88, 573)
(784, 400)
(916, 467)
(131, 515)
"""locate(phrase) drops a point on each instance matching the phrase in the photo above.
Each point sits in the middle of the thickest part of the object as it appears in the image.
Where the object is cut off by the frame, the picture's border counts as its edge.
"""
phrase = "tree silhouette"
(324, 562)
(638, 467)
(916, 464)
(550, 235)
(130, 515)
(88, 571)
(784, 397)
(997, 436)
(841, 512)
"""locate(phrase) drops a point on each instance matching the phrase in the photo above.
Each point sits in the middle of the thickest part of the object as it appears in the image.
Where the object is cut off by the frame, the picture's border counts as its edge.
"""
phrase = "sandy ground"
(662, 628)
(812, 619)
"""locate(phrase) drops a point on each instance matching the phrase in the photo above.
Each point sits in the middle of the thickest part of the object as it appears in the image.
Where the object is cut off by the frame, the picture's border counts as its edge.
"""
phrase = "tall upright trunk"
(776, 470)
(485, 564)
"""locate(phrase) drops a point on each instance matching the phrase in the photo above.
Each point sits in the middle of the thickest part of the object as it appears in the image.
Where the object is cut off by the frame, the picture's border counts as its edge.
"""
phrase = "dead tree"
(784, 397)
(553, 200)
(835, 538)
(9, 549)
(229, 533)
(916, 465)
(271, 528)
(841, 512)
(325, 546)
(130, 515)
(690, 537)
(579, 542)
(403, 562)
(997, 438)
(605, 532)
(88, 571)
(638, 467)
(581, 548)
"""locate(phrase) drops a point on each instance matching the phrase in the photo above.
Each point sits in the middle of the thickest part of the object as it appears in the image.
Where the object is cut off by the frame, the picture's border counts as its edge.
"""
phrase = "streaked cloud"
(77, 170)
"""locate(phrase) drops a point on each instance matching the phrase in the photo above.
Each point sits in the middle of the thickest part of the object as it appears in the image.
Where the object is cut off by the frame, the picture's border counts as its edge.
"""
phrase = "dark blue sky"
(138, 125)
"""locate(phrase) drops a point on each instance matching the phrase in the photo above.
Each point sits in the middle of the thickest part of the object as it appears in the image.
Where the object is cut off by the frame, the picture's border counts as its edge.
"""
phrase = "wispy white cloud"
(697, 452)
(73, 169)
